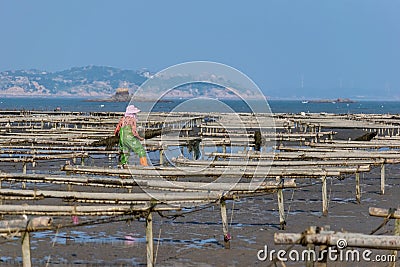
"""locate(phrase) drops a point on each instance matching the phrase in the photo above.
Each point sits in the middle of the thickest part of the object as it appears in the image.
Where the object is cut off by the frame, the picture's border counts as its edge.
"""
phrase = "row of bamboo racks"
(344, 244)
(27, 136)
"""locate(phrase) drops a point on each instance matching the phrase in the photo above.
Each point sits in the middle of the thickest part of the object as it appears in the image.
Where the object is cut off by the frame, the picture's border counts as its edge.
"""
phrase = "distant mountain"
(101, 83)
(77, 81)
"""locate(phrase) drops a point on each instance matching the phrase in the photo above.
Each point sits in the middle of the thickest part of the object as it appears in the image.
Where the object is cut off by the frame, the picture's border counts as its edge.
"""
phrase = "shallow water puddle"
(65, 238)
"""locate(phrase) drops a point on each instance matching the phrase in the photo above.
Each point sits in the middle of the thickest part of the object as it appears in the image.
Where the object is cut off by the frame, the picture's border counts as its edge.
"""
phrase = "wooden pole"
(156, 183)
(149, 240)
(358, 189)
(24, 167)
(10, 226)
(384, 213)
(118, 197)
(1, 200)
(310, 262)
(161, 156)
(99, 210)
(310, 247)
(395, 214)
(224, 218)
(26, 250)
(396, 233)
(397, 227)
(383, 179)
(282, 221)
(330, 238)
(24, 226)
(256, 172)
(323, 252)
(324, 197)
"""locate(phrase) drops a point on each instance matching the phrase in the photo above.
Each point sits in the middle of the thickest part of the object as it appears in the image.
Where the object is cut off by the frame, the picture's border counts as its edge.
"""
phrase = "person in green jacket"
(129, 138)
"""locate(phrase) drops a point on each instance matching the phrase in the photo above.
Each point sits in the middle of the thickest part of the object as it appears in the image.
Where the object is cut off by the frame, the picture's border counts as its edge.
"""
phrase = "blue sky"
(339, 48)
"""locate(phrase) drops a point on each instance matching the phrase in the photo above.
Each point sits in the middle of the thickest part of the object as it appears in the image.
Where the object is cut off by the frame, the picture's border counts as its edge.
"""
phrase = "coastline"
(276, 106)
(268, 98)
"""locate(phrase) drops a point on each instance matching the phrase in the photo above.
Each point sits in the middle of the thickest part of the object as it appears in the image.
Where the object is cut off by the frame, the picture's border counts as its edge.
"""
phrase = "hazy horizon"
(290, 49)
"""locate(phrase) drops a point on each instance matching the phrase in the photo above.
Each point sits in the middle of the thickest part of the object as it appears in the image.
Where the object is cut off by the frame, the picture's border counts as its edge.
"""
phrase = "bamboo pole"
(396, 233)
(224, 219)
(369, 145)
(36, 157)
(324, 197)
(358, 189)
(303, 154)
(383, 179)
(56, 149)
(269, 163)
(161, 156)
(24, 167)
(281, 208)
(26, 250)
(159, 184)
(24, 227)
(331, 238)
(213, 172)
(378, 212)
(149, 240)
(117, 197)
(216, 186)
(72, 180)
(309, 262)
(98, 210)
(1, 201)
(10, 226)
(223, 148)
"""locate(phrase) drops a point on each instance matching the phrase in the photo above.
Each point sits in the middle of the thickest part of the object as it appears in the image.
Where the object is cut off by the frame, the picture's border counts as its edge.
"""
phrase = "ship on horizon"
(333, 101)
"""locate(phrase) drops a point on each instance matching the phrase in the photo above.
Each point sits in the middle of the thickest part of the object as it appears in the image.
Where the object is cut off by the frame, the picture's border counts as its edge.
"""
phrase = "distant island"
(108, 84)
(338, 100)
(123, 95)
(89, 81)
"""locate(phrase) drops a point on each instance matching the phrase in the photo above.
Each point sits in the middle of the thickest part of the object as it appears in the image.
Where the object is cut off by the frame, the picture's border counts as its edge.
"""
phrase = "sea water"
(276, 106)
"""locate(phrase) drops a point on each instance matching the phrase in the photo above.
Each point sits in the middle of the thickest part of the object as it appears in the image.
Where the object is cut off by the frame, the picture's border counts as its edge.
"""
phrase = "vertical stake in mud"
(383, 178)
(281, 208)
(396, 232)
(224, 218)
(24, 167)
(149, 240)
(358, 190)
(26, 250)
(162, 156)
(324, 197)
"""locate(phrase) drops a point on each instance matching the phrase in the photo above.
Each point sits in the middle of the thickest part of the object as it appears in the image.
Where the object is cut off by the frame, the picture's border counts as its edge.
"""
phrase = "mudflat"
(194, 237)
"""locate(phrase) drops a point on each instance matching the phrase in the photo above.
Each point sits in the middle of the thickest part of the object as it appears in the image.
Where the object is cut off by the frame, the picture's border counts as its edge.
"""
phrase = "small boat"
(304, 101)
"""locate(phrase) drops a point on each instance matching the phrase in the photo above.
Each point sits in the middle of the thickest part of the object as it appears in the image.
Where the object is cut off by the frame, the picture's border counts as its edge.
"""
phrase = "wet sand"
(196, 239)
